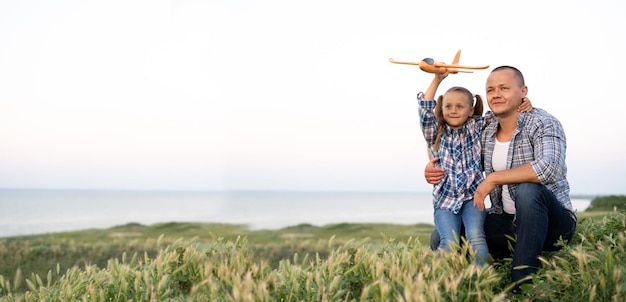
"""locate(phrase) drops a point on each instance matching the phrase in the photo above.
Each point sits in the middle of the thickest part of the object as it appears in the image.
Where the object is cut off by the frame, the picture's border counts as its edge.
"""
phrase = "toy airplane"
(432, 66)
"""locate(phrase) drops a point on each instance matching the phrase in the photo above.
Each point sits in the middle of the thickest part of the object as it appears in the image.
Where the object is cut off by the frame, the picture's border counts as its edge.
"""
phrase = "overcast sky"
(286, 95)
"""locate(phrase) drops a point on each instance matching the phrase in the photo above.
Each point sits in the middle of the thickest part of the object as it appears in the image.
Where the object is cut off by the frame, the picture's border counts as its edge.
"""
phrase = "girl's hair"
(441, 123)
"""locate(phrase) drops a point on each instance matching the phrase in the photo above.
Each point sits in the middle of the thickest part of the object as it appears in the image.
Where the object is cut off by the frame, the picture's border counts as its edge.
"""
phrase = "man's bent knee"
(528, 189)
(527, 194)
(435, 239)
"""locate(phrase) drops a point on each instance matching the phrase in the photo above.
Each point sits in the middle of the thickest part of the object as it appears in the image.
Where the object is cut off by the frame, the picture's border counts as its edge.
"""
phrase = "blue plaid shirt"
(539, 140)
(459, 155)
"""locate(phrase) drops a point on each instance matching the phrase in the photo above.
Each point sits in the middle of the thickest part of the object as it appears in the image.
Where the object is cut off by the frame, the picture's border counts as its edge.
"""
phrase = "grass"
(339, 262)
(39, 253)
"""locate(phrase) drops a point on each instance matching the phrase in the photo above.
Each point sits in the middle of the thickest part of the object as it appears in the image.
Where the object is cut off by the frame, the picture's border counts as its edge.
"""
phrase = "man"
(524, 162)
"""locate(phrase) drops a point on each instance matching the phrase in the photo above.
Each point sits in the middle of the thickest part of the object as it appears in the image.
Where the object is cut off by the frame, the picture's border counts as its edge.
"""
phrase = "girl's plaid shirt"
(459, 155)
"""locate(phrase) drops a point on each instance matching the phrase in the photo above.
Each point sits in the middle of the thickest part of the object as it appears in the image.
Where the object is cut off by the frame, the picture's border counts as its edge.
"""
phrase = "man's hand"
(433, 174)
(481, 193)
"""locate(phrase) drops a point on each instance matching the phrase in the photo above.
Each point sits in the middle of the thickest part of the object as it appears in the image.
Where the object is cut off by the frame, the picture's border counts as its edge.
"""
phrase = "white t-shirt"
(498, 161)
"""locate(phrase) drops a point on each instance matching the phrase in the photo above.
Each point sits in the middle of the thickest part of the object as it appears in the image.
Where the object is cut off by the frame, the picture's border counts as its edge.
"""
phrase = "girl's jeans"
(448, 226)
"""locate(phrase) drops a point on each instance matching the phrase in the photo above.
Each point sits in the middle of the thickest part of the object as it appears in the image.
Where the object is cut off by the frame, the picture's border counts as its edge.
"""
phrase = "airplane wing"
(403, 62)
(459, 66)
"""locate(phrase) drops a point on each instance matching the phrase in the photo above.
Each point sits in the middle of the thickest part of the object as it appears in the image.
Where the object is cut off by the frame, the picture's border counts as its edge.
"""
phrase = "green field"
(339, 262)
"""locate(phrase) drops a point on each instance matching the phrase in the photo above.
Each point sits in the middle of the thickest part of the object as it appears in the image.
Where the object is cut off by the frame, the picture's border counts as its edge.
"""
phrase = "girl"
(452, 126)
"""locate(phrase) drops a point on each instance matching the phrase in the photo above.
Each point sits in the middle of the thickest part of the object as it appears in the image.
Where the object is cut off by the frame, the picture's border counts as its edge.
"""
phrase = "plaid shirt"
(539, 140)
(459, 155)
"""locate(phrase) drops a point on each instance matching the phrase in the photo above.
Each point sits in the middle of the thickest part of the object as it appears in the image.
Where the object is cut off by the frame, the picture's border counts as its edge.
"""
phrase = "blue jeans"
(540, 221)
(448, 226)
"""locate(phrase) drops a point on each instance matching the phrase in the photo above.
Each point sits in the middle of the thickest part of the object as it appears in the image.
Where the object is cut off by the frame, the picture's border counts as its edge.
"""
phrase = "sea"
(33, 212)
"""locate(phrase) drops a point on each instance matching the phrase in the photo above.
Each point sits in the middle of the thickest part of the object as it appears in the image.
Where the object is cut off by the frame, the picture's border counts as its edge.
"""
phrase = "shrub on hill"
(608, 203)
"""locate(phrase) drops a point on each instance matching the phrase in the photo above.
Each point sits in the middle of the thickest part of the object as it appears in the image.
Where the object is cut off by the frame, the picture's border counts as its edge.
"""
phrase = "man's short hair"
(518, 74)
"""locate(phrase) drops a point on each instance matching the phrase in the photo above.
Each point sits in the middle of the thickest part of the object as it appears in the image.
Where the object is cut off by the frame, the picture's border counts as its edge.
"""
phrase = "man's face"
(504, 93)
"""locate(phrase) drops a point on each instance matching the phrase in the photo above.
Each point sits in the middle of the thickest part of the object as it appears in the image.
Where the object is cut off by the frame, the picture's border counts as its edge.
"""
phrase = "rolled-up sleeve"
(549, 145)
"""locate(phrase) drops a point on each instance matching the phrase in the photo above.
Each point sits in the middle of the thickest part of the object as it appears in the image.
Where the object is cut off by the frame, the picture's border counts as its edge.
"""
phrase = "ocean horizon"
(41, 211)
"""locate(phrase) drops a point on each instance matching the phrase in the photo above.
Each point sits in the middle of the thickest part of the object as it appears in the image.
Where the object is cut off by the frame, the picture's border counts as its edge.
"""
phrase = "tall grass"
(591, 268)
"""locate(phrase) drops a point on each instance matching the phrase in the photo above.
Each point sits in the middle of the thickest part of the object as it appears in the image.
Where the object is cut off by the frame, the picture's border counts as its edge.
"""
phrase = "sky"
(286, 95)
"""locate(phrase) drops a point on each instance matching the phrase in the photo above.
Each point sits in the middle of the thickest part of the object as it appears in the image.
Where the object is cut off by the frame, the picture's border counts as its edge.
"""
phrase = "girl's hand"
(525, 106)
(440, 76)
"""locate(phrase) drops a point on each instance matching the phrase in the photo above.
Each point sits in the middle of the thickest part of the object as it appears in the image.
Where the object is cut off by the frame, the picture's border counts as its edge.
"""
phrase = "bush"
(608, 203)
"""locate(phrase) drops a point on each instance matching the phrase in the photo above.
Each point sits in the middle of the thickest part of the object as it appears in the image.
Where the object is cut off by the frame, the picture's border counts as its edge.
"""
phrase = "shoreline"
(25, 213)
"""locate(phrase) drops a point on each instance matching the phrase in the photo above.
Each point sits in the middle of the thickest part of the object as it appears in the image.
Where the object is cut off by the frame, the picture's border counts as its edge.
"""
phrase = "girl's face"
(456, 109)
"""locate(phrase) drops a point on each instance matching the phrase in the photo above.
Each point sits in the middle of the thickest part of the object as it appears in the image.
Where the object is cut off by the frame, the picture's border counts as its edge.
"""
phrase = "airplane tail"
(455, 62)
(456, 58)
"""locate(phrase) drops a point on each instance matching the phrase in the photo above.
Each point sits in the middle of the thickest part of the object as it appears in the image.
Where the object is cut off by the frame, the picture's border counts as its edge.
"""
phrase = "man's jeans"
(540, 221)
(449, 225)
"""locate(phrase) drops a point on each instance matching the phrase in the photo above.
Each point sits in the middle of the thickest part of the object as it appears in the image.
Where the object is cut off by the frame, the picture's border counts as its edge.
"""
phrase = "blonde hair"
(441, 123)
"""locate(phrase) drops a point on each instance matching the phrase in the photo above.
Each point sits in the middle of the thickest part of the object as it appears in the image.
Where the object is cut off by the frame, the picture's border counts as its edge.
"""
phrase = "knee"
(475, 234)
(434, 240)
(527, 189)
(527, 193)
